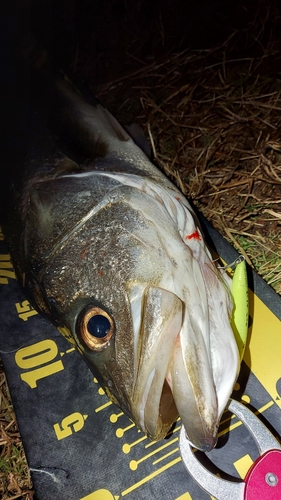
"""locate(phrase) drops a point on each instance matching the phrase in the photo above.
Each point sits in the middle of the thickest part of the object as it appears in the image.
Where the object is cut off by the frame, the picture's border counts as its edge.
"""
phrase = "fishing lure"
(239, 321)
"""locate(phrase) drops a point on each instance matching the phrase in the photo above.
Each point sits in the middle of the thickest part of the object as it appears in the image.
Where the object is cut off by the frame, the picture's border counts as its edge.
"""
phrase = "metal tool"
(263, 479)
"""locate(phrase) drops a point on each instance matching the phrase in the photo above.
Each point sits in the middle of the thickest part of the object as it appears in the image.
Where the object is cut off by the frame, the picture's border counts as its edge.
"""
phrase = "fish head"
(126, 277)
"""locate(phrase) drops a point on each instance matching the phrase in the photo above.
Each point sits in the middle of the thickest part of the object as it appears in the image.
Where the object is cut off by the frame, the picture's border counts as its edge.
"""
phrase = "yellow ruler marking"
(100, 408)
(151, 443)
(185, 496)
(237, 424)
(114, 417)
(126, 448)
(264, 407)
(243, 465)
(151, 476)
(264, 346)
(6, 269)
(165, 456)
(230, 428)
(145, 457)
(120, 432)
(227, 419)
(100, 495)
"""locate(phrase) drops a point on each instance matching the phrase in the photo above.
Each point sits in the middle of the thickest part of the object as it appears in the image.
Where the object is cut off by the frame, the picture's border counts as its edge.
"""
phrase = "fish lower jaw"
(158, 412)
(167, 413)
(201, 426)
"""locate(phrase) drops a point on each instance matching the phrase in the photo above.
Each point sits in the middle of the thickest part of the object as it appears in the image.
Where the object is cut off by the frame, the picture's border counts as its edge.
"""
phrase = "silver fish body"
(110, 250)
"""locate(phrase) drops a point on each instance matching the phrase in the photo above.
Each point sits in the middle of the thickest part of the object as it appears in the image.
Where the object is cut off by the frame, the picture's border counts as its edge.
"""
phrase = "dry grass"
(14, 474)
(213, 119)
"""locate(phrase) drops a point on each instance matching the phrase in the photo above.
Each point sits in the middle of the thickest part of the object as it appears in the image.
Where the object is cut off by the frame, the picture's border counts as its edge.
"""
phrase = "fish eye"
(95, 327)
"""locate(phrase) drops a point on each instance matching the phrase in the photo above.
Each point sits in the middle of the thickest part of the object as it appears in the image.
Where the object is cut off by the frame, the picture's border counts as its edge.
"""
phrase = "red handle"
(263, 480)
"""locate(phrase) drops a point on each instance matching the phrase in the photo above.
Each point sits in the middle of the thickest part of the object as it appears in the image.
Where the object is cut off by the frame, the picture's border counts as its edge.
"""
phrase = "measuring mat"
(79, 446)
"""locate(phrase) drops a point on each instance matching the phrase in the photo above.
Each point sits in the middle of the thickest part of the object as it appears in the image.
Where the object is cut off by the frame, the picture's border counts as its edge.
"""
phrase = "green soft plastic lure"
(241, 305)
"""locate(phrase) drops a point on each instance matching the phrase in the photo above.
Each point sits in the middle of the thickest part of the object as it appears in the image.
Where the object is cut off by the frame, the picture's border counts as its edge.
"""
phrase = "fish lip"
(190, 377)
(204, 442)
(167, 380)
(164, 418)
(205, 446)
(162, 315)
(205, 347)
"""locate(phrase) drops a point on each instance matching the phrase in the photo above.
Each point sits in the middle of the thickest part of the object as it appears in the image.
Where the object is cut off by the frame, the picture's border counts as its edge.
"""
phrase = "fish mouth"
(199, 417)
(174, 376)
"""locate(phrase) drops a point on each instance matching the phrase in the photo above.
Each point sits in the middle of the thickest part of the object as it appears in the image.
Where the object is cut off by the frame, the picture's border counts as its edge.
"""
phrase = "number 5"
(64, 429)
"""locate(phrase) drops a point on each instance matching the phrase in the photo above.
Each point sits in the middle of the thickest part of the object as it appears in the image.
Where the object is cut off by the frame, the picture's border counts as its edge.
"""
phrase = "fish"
(108, 249)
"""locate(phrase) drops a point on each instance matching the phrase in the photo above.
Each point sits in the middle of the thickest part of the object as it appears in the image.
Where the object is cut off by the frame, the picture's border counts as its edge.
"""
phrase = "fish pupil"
(98, 326)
